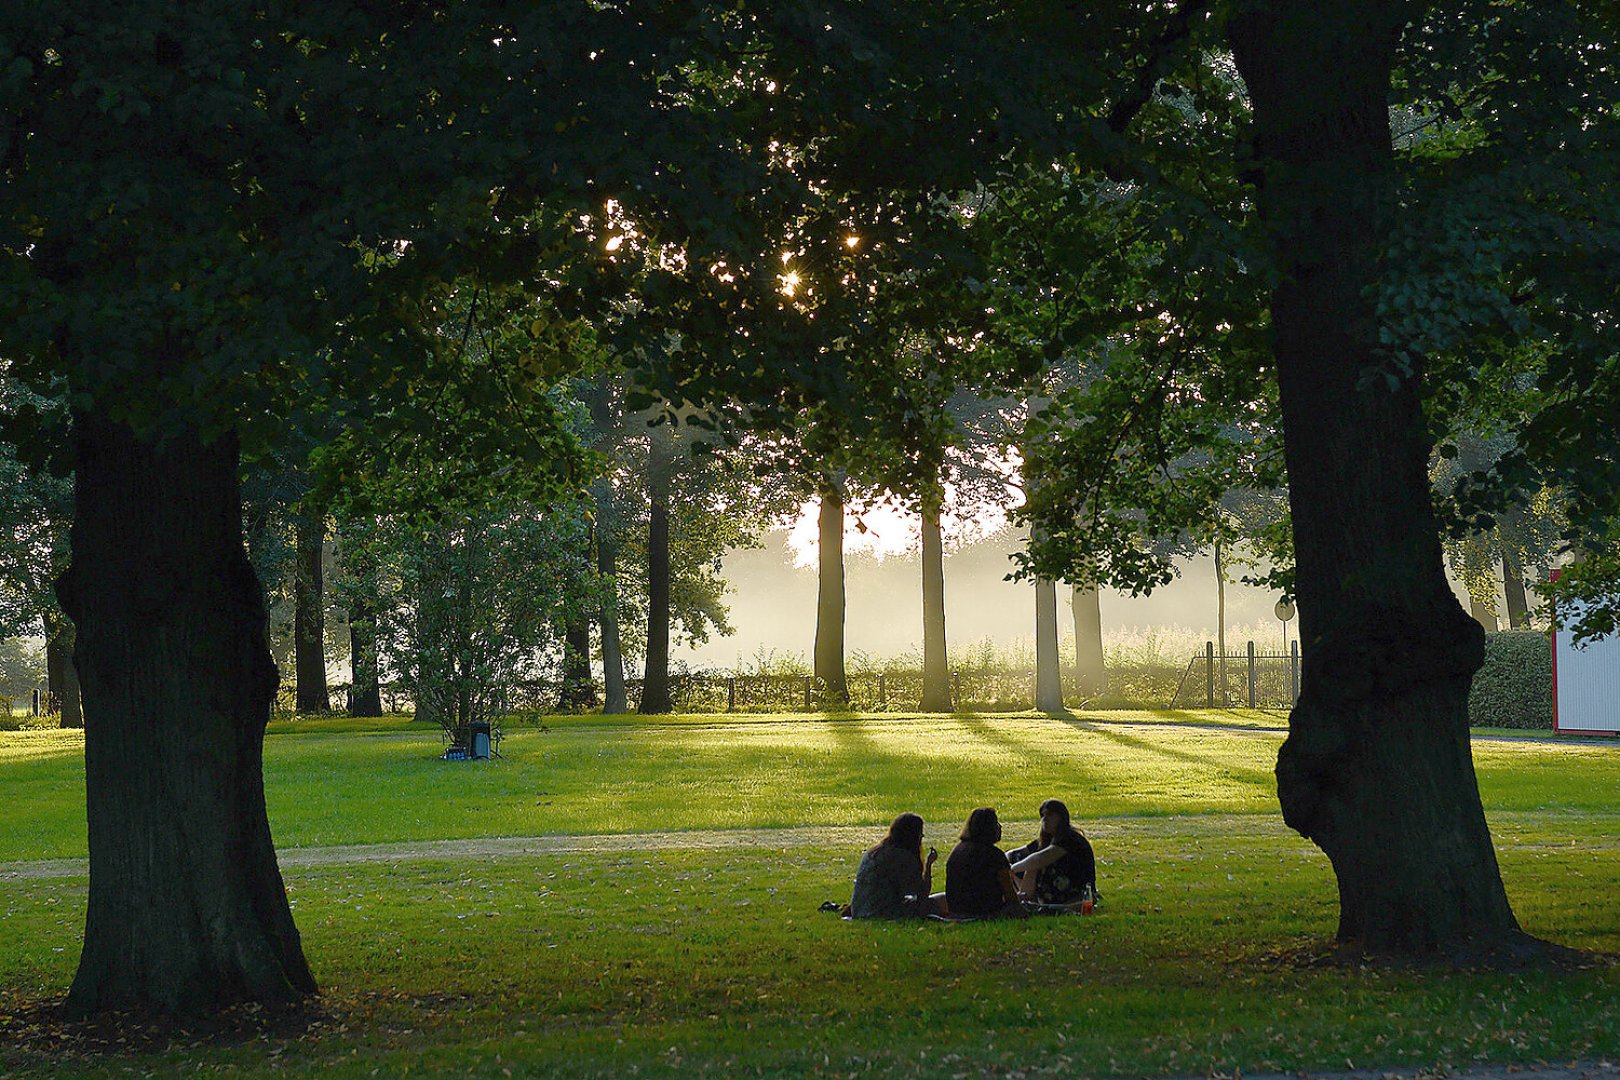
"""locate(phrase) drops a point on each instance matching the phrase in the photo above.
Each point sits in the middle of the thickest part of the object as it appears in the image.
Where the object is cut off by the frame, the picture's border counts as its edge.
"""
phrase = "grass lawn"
(632, 957)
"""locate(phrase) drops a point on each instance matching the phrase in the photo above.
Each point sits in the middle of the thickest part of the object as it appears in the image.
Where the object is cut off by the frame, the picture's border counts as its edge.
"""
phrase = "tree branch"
(1162, 51)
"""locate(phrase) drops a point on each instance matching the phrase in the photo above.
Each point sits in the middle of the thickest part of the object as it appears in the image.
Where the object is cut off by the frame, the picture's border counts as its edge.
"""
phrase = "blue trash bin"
(478, 736)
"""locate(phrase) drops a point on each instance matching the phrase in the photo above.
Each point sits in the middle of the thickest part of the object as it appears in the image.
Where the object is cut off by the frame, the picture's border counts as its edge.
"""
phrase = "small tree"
(477, 605)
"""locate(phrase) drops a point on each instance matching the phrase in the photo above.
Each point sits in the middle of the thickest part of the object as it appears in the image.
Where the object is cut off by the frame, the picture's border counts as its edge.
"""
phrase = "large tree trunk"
(614, 698)
(186, 908)
(1090, 671)
(1518, 608)
(579, 688)
(61, 678)
(829, 658)
(1376, 768)
(936, 686)
(655, 688)
(1048, 668)
(309, 616)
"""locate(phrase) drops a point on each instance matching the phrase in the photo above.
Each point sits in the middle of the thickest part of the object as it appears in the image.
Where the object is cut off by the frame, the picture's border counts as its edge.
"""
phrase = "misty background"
(773, 602)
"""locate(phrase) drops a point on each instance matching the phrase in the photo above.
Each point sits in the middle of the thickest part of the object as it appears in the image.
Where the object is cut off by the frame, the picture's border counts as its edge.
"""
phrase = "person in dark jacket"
(1059, 867)
(893, 879)
(978, 879)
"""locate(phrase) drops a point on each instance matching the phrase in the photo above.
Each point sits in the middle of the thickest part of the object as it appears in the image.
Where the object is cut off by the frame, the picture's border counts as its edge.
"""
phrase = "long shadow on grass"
(1252, 777)
(1076, 774)
(980, 728)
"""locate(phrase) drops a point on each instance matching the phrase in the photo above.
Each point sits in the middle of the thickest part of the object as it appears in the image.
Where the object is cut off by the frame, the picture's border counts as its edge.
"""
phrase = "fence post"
(36, 701)
(808, 680)
(1293, 672)
(883, 690)
(1209, 674)
(731, 694)
(1251, 674)
(956, 689)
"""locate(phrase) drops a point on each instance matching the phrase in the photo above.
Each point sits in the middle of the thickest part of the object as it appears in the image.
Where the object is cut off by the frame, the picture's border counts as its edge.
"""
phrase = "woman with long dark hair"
(1059, 867)
(978, 881)
(893, 880)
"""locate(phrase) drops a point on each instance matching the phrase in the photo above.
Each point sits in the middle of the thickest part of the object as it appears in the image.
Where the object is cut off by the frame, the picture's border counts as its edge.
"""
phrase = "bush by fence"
(1514, 688)
(1144, 686)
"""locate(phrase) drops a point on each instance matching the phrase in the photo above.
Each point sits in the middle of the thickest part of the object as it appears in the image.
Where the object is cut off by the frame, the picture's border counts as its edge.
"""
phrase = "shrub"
(1514, 688)
(26, 721)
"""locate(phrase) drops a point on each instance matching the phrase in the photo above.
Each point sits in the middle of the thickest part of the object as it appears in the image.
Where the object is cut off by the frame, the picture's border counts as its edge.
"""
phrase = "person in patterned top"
(1058, 867)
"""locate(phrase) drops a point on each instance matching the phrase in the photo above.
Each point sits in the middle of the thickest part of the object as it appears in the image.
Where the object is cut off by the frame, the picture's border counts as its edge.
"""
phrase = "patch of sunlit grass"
(345, 782)
(40, 744)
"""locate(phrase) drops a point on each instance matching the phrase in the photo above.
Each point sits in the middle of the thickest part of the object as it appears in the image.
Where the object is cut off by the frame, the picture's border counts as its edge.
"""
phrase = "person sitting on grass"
(1058, 867)
(978, 880)
(893, 880)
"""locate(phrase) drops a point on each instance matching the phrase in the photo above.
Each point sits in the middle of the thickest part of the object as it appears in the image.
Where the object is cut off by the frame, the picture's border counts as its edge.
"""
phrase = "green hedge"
(1514, 688)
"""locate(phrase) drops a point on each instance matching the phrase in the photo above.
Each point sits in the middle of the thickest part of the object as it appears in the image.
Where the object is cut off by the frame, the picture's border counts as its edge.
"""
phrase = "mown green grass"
(346, 782)
(637, 960)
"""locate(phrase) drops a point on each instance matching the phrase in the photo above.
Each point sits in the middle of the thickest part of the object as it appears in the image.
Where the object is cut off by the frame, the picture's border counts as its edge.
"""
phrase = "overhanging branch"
(1162, 52)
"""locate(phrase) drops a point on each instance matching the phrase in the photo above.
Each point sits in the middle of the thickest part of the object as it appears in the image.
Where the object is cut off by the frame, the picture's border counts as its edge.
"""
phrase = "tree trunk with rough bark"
(1048, 667)
(186, 910)
(829, 657)
(1518, 607)
(1376, 768)
(309, 616)
(655, 689)
(61, 679)
(936, 686)
(1090, 671)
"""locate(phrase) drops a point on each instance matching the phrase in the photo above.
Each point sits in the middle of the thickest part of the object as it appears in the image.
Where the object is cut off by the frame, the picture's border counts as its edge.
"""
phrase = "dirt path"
(852, 837)
(1191, 828)
(1574, 1070)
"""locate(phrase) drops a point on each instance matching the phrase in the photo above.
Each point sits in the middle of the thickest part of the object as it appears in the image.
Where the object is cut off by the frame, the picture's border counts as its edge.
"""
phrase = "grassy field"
(627, 956)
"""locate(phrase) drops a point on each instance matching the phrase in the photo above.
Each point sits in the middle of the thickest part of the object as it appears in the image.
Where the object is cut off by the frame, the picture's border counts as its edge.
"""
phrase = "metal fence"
(1248, 678)
(972, 689)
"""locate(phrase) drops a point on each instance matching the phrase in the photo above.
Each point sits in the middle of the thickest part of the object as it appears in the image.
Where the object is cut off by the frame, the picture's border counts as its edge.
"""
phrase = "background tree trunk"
(186, 910)
(606, 534)
(936, 687)
(365, 689)
(655, 688)
(61, 678)
(1518, 608)
(365, 669)
(1048, 667)
(1220, 618)
(579, 688)
(309, 616)
(1090, 671)
(614, 699)
(829, 658)
(1376, 768)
